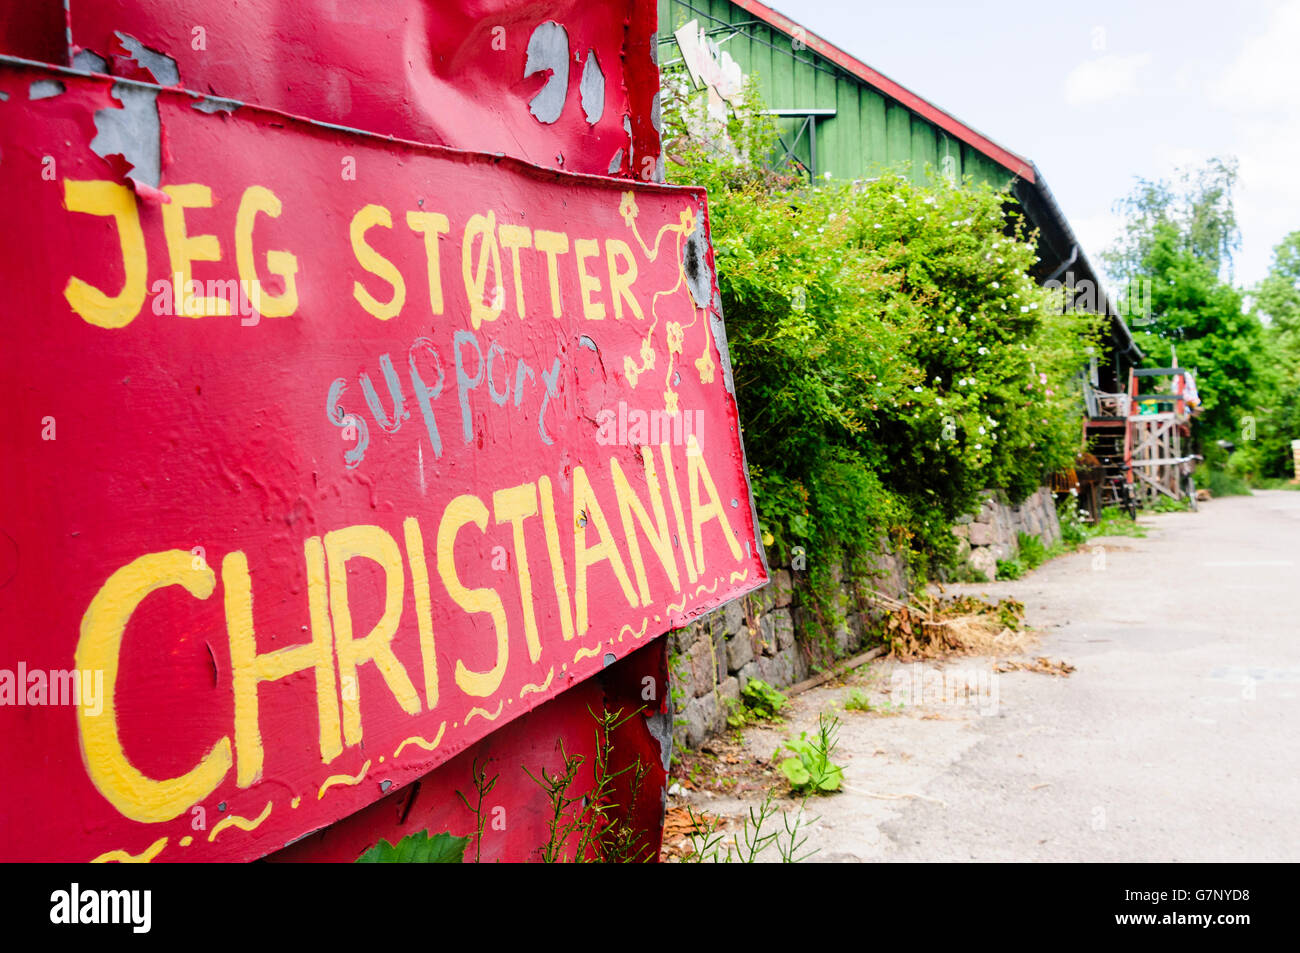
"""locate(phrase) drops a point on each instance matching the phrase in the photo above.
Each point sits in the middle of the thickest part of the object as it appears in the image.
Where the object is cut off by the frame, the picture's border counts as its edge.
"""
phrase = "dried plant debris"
(936, 626)
(1042, 665)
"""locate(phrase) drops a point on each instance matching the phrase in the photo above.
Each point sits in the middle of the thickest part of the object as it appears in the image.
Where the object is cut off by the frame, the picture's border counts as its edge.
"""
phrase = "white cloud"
(1266, 74)
(1260, 91)
(1104, 78)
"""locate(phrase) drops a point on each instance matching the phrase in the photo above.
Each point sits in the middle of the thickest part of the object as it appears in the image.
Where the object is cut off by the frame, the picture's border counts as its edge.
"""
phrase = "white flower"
(979, 446)
(954, 340)
(917, 389)
(983, 350)
(995, 284)
(878, 225)
(982, 431)
(940, 329)
(959, 309)
(1023, 309)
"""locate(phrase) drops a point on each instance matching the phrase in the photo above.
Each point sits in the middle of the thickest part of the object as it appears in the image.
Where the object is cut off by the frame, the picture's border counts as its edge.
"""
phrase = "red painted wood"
(449, 72)
(220, 432)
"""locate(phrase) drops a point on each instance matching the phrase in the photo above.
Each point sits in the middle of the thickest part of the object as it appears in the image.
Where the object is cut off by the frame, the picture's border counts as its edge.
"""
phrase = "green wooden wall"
(869, 132)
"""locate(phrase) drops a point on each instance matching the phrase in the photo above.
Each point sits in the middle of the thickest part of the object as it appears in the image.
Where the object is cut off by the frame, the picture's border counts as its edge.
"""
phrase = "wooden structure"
(1107, 436)
(1158, 455)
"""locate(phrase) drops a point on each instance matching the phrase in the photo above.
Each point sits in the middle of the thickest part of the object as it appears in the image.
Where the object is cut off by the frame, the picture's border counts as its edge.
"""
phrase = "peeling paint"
(696, 265)
(45, 89)
(163, 67)
(212, 104)
(592, 89)
(548, 49)
(87, 61)
(616, 163)
(132, 132)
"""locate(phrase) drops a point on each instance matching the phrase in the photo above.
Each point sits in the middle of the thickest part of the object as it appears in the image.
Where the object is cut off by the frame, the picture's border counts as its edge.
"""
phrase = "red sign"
(326, 456)
(568, 84)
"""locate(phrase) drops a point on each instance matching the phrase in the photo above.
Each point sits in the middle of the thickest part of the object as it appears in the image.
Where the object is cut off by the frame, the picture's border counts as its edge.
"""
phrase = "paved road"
(1177, 738)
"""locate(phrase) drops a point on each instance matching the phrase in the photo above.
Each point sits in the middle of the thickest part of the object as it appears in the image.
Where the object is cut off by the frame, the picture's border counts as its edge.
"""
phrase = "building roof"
(1017, 165)
(1056, 236)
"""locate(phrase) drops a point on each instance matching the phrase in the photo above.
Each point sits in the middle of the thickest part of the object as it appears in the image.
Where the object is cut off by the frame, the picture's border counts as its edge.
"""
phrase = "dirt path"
(1177, 738)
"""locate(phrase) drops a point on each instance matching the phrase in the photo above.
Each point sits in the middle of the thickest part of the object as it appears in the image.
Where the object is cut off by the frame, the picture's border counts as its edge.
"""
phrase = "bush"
(759, 701)
(1220, 482)
(893, 355)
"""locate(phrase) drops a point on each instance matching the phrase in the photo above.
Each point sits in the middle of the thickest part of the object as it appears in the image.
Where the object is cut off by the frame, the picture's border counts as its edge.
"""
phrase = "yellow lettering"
(423, 607)
(98, 197)
(250, 668)
(620, 282)
(99, 648)
(279, 263)
(369, 542)
(485, 304)
(461, 511)
(513, 506)
(552, 244)
(516, 237)
(675, 497)
(657, 535)
(587, 510)
(551, 526)
(184, 249)
(697, 471)
(583, 249)
(432, 225)
(367, 218)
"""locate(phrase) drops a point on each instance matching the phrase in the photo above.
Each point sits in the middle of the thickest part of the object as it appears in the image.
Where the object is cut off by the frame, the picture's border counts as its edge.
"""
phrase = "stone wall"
(993, 532)
(759, 637)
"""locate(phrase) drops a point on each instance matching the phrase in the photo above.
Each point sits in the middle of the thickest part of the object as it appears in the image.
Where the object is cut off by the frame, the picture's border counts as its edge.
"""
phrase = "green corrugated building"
(839, 118)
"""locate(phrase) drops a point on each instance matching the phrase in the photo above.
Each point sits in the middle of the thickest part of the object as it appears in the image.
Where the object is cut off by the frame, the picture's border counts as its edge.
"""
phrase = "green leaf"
(798, 775)
(830, 781)
(418, 848)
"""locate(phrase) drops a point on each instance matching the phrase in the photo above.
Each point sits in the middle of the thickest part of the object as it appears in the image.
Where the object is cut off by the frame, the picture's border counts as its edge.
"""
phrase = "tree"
(1277, 304)
(1179, 242)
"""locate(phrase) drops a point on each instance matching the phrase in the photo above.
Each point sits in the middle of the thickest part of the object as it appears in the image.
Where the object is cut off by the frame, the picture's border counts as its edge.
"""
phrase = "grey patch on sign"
(45, 89)
(131, 132)
(696, 265)
(163, 67)
(88, 61)
(616, 163)
(592, 89)
(211, 104)
(660, 725)
(610, 659)
(548, 49)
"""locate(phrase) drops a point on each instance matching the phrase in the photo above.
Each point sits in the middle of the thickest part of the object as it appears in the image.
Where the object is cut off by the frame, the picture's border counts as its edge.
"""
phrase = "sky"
(1100, 96)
